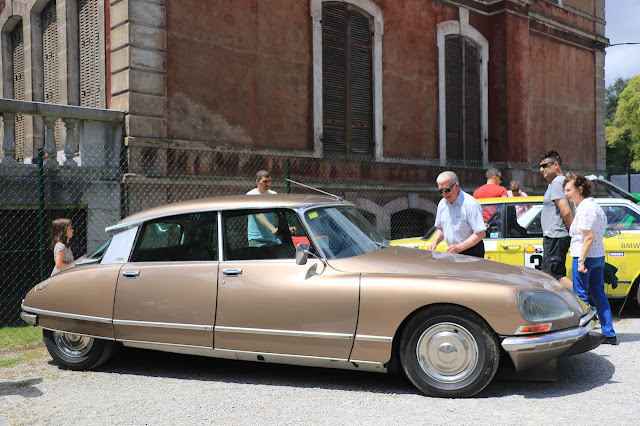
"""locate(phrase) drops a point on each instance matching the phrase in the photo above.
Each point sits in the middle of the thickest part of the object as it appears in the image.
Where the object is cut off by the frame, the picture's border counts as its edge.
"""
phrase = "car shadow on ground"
(188, 367)
(575, 374)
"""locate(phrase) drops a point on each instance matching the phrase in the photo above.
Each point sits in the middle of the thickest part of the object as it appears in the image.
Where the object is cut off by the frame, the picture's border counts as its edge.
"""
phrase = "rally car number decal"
(533, 256)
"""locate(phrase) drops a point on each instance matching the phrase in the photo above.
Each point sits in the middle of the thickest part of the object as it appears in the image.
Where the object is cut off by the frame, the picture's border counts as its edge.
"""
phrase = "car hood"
(411, 262)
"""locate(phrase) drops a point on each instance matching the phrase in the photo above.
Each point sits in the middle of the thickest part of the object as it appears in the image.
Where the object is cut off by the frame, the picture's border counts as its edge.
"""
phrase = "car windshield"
(342, 232)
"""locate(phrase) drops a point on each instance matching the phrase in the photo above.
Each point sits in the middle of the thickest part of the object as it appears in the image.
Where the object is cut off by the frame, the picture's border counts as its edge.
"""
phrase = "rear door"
(167, 292)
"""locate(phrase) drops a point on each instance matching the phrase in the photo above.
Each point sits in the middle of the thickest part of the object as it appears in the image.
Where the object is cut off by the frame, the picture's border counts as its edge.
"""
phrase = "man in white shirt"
(459, 219)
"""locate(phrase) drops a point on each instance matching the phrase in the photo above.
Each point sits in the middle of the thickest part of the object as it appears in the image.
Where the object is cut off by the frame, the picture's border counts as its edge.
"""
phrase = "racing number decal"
(533, 256)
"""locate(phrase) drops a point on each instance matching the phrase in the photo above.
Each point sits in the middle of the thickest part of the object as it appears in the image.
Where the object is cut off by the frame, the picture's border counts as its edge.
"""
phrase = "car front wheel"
(449, 352)
(76, 352)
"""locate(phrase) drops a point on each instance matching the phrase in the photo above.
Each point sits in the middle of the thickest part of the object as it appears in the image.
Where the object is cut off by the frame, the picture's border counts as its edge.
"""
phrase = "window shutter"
(17, 51)
(347, 80)
(473, 150)
(89, 53)
(453, 97)
(462, 98)
(50, 53)
(334, 85)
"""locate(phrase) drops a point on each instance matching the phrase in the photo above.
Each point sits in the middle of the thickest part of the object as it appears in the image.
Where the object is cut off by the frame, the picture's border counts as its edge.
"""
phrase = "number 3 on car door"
(533, 255)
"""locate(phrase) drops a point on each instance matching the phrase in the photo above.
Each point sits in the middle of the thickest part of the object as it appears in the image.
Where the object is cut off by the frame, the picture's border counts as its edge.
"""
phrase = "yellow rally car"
(514, 236)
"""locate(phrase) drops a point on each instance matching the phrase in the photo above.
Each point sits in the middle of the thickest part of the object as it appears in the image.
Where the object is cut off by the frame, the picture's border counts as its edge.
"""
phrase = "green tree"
(612, 94)
(623, 135)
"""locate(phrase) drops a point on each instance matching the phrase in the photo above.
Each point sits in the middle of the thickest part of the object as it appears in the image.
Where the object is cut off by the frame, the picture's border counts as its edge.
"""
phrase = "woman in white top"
(61, 233)
(587, 250)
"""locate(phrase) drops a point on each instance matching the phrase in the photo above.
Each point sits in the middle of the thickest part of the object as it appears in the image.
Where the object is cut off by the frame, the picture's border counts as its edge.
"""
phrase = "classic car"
(514, 236)
(328, 291)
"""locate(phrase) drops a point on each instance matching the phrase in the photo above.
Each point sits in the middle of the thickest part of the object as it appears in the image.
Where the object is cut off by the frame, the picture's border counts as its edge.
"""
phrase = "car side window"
(622, 217)
(524, 219)
(514, 229)
(263, 234)
(492, 216)
(190, 237)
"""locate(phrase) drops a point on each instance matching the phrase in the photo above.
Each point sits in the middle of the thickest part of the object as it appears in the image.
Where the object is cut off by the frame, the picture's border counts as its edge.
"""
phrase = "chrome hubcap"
(447, 352)
(73, 345)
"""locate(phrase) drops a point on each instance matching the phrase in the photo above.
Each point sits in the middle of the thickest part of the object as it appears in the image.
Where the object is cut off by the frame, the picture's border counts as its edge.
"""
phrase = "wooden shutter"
(453, 97)
(17, 51)
(472, 134)
(50, 54)
(89, 53)
(462, 99)
(347, 80)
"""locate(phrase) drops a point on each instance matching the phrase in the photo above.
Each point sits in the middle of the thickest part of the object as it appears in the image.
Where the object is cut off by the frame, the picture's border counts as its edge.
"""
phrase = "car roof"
(231, 202)
(539, 199)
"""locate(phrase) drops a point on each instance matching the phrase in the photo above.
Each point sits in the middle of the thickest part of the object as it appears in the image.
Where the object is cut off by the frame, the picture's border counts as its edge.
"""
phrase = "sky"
(622, 26)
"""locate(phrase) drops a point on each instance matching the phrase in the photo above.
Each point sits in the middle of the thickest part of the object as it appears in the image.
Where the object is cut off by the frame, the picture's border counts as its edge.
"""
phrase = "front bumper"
(31, 319)
(529, 351)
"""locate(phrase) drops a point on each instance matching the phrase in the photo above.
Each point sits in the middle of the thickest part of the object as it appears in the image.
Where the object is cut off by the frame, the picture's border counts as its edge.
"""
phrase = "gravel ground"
(143, 387)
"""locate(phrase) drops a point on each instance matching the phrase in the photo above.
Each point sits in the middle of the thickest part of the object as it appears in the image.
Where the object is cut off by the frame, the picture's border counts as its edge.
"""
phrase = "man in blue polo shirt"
(459, 219)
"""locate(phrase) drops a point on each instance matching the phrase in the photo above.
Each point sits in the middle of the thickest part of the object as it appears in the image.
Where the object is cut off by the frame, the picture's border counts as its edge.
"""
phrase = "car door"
(522, 242)
(167, 292)
(493, 220)
(269, 304)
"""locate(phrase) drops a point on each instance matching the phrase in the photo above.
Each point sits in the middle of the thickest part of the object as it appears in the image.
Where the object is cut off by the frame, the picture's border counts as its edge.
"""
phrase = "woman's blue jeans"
(592, 282)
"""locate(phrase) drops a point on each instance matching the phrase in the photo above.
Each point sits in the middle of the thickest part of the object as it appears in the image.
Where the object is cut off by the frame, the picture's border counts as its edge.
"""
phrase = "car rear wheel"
(449, 352)
(76, 352)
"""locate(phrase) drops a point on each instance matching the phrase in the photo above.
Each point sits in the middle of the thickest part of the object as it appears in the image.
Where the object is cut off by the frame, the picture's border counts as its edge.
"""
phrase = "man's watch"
(580, 260)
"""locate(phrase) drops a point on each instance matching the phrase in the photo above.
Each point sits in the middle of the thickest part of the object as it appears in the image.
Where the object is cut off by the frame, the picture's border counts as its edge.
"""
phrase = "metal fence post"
(287, 172)
(41, 210)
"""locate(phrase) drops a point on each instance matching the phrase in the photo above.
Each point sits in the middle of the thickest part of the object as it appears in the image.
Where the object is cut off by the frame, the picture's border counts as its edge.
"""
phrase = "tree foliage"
(623, 135)
(612, 94)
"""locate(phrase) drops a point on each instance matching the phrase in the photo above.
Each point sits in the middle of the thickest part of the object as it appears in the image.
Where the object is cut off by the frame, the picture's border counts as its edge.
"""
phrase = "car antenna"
(315, 189)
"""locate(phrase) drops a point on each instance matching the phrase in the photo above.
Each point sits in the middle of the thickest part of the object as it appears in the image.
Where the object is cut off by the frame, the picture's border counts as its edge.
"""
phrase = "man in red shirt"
(492, 188)
(489, 190)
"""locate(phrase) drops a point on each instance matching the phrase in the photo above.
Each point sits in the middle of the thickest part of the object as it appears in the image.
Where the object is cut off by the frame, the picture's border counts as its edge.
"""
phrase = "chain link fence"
(398, 196)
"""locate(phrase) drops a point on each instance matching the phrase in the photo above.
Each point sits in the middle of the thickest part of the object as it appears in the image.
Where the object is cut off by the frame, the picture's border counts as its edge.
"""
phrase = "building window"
(463, 55)
(347, 74)
(346, 80)
(17, 55)
(89, 40)
(50, 61)
(462, 99)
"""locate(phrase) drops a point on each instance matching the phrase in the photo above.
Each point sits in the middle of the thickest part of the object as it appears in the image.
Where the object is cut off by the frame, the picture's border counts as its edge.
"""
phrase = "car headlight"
(538, 306)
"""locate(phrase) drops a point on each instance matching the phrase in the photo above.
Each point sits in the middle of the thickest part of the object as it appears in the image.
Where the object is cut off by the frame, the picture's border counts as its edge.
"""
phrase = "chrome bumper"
(555, 340)
(31, 319)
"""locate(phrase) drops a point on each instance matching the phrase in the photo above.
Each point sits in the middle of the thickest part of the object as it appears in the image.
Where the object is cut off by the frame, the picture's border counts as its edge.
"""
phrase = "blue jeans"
(592, 282)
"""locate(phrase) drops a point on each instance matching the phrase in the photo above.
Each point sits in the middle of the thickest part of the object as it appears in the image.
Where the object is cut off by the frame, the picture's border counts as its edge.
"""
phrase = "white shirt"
(460, 219)
(589, 217)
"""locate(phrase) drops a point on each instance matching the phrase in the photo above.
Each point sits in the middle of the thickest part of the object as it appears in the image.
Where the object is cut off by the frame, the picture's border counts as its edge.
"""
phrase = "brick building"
(375, 93)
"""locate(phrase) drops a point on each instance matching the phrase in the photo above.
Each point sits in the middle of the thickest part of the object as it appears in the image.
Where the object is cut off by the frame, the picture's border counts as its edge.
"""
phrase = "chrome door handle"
(506, 247)
(130, 274)
(232, 272)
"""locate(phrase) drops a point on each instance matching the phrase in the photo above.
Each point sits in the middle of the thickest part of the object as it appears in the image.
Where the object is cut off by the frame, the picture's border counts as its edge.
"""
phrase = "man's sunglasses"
(545, 165)
(447, 190)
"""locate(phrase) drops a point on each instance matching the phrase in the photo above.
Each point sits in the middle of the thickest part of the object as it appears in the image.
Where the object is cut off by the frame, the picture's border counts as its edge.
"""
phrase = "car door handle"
(507, 247)
(232, 272)
(130, 274)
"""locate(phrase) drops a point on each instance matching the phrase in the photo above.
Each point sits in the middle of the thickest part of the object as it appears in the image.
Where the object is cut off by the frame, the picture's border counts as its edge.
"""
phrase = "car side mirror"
(302, 251)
